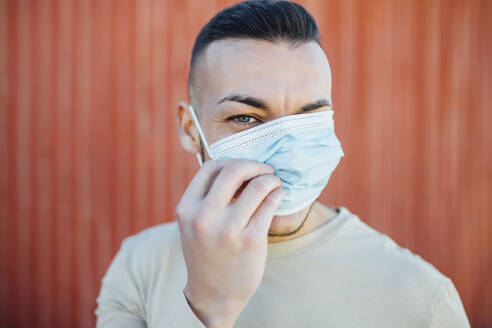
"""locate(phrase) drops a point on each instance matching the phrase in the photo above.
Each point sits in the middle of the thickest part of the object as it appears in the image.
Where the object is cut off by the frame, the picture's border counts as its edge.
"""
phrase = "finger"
(252, 197)
(260, 222)
(201, 182)
(231, 177)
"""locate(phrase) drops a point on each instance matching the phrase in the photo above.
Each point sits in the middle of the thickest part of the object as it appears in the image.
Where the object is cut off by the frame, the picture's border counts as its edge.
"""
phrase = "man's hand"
(225, 243)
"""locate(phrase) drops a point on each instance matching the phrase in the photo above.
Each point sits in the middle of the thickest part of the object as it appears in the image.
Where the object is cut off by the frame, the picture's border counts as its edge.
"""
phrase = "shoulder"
(157, 240)
(402, 276)
(391, 266)
(142, 254)
(126, 284)
(384, 253)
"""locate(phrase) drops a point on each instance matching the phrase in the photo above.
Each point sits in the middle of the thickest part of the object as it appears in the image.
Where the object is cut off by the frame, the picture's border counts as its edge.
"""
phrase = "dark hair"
(262, 20)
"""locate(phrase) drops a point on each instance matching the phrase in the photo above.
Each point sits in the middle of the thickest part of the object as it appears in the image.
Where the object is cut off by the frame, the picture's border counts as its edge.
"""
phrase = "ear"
(188, 134)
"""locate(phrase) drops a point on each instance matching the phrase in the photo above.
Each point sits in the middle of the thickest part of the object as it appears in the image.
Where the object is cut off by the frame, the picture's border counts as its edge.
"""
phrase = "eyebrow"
(247, 100)
(258, 103)
(317, 104)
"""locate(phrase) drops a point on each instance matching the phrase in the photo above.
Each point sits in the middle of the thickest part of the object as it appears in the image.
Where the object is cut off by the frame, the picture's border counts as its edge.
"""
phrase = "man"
(251, 246)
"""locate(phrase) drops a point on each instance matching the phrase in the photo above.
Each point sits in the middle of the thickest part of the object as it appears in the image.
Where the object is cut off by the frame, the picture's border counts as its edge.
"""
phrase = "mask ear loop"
(202, 135)
(199, 158)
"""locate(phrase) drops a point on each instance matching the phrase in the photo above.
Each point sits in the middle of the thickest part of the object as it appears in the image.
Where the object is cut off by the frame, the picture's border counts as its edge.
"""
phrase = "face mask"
(302, 149)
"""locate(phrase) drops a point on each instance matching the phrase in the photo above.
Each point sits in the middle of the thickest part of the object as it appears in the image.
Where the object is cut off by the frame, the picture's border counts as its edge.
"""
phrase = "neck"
(300, 223)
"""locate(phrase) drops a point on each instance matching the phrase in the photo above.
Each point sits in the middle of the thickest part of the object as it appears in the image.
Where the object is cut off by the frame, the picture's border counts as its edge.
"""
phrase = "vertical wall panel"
(63, 150)
(89, 151)
(10, 173)
(21, 240)
(84, 252)
(123, 18)
(5, 209)
(42, 67)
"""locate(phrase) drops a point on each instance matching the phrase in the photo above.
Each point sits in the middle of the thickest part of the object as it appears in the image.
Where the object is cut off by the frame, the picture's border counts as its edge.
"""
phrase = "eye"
(243, 119)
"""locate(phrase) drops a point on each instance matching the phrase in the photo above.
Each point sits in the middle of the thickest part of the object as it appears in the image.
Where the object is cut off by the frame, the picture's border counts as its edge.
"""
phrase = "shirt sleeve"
(121, 301)
(449, 311)
(181, 315)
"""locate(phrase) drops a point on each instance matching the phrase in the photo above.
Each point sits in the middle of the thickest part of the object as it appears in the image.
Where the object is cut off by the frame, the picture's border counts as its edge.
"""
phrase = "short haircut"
(267, 20)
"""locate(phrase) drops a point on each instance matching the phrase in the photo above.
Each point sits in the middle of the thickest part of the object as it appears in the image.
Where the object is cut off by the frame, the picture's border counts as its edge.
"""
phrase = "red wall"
(89, 150)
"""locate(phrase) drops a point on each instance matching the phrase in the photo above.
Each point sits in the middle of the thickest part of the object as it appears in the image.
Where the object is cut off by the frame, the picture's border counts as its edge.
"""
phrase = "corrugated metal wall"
(89, 150)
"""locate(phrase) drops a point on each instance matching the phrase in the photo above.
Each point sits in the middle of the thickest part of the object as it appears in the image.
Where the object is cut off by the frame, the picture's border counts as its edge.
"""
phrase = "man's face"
(240, 84)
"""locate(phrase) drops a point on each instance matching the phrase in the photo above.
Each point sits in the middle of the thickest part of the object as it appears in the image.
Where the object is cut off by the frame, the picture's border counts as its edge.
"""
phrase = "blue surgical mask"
(302, 149)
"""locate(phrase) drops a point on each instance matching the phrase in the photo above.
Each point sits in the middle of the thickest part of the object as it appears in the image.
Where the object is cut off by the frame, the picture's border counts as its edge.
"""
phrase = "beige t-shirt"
(343, 274)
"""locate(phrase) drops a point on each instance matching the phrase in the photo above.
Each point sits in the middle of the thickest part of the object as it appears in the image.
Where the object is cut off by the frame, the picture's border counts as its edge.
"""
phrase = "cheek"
(214, 131)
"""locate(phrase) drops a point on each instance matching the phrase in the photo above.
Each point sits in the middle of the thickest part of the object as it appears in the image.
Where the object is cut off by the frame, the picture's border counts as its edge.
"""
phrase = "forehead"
(270, 70)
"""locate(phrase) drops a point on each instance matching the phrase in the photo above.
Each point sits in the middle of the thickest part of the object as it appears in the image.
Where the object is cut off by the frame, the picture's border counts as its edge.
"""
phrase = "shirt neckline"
(305, 242)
